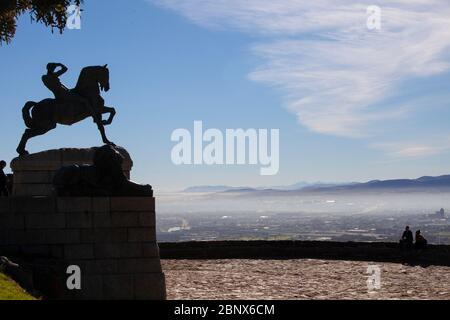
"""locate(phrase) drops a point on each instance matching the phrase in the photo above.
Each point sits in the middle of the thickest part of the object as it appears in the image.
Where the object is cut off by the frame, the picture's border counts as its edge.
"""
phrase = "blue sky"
(351, 104)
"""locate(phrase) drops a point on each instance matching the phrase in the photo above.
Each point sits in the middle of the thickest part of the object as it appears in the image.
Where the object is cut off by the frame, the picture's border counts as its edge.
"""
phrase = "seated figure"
(407, 240)
(421, 242)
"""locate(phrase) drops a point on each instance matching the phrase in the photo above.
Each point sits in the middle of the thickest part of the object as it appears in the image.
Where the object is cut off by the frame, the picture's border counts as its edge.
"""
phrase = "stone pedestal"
(111, 239)
(33, 174)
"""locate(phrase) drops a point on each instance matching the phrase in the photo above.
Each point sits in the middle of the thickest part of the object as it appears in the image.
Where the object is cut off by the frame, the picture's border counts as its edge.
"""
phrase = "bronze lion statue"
(104, 178)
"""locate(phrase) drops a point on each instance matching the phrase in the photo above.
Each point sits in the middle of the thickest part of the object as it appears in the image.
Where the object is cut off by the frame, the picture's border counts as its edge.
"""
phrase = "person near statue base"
(3, 180)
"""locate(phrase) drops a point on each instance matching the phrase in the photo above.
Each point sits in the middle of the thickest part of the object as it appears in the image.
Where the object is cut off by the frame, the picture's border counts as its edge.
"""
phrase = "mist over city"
(248, 214)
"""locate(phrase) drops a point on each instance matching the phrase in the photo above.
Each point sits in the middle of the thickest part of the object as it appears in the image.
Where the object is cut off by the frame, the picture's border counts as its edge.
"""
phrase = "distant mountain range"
(425, 183)
(439, 183)
(200, 189)
(223, 188)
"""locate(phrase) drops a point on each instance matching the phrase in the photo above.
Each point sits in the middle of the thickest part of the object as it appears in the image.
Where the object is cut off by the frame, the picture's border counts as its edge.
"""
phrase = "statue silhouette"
(61, 92)
(105, 178)
(52, 82)
(69, 106)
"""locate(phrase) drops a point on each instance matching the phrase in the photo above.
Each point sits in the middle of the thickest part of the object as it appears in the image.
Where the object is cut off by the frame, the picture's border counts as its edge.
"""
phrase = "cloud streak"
(416, 149)
(333, 71)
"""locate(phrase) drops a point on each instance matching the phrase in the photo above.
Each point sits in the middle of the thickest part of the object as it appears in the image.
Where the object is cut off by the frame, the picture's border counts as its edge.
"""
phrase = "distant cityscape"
(289, 226)
(372, 211)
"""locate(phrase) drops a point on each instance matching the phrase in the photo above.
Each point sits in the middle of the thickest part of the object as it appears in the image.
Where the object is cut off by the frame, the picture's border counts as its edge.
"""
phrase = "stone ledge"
(34, 173)
(52, 160)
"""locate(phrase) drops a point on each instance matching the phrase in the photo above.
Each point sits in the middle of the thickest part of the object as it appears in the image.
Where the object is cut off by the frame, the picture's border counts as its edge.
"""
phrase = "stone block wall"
(112, 240)
(33, 174)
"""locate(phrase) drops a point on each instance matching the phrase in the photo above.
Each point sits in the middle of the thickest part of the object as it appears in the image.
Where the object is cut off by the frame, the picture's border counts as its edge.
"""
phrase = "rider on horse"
(69, 106)
(61, 92)
(52, 82)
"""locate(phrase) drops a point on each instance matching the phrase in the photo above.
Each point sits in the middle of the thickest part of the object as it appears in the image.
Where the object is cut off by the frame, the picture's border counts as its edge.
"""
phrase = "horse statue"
(71, 107)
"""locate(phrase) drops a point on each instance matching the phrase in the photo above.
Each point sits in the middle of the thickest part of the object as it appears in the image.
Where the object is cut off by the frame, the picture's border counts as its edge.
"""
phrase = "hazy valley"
(327, 213)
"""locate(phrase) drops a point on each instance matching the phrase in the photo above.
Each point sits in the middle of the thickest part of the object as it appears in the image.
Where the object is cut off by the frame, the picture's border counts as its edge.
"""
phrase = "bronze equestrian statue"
(69, 106)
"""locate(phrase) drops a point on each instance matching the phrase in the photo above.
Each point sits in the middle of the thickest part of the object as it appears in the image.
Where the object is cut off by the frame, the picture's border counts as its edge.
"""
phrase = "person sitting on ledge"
(407, 240)
(421, 242)
(3, 180)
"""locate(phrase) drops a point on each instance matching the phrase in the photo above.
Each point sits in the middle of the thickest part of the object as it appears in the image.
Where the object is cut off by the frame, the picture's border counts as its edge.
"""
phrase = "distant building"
(438, 215)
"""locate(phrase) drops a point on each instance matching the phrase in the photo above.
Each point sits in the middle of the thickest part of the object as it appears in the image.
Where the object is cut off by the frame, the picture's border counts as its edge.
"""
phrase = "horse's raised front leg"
(112, 113)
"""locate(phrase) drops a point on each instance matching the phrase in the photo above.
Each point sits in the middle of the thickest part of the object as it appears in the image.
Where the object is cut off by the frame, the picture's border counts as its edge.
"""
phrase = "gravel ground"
(300, 279)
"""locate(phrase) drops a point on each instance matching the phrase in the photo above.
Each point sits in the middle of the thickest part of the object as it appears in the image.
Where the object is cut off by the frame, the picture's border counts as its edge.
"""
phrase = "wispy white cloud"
(408, 149)
(333, 71)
